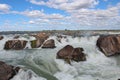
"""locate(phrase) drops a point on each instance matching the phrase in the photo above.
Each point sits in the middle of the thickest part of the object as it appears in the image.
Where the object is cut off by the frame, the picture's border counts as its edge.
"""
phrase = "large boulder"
(109, 45)
(15, 44)
(40, 38)
(7, 71)
(69, 53)
(1, 37)
(49, 44)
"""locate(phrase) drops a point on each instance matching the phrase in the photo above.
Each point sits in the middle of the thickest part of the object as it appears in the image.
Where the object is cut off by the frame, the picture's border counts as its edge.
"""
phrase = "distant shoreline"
(66, 32)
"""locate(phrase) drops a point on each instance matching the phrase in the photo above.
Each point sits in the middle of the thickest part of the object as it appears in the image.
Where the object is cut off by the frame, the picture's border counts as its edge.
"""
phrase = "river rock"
(78, 55)
(7, 71)
(15, 44)
(69, 53)
(37, 43)
(1, 37)
(109, 45)
(40, 38)
(49, 44)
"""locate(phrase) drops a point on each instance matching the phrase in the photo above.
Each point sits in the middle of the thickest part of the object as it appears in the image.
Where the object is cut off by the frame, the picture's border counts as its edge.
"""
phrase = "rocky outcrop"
(109, 45)
(40, 38)
(15, 44)
(49, 44)
(7, 71)
(1, 37)
(69, 53)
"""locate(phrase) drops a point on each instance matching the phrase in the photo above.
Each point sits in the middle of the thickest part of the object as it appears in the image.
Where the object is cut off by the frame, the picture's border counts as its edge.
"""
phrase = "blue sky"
(35, 15)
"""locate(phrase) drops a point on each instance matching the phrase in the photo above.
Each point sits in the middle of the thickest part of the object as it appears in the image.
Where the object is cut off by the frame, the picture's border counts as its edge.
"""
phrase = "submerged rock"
(1, 37)
(7, 71)
(15, 44)
(69, 53)
(109, 45)
(49, 44)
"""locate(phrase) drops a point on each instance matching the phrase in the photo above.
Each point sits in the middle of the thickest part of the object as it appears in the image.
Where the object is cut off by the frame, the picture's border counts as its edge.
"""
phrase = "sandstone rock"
(49, 44)
(69, 53)
(109, 45)
(1, 37)
(7, 71)
(15, 44)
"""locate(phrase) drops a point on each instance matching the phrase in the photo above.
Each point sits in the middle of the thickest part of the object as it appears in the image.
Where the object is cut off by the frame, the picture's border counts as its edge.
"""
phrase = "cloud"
(67, 4)
(41, 14)
(4, 7)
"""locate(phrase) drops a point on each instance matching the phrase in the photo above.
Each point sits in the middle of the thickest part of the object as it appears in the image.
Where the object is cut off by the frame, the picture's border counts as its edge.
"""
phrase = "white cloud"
(4, 7)
(41, 14)
(67, 4)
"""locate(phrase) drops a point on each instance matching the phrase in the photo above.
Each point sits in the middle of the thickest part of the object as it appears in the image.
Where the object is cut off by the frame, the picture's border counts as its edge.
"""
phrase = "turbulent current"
(41, 64)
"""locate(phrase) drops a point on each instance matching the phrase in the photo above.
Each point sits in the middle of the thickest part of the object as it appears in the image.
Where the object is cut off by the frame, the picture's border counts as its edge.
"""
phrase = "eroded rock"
(69, 53)
(15, 44)
(49, 44)
(109, 45)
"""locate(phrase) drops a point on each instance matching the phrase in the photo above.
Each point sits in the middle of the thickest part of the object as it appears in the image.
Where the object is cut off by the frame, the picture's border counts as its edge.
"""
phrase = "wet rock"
(78, 55)
(109, 45)
(69, 53)
(7, 71)
(37, 43)
(49, 44)
(1, 37)
(15, 44)
(16, 37)
(40, 38)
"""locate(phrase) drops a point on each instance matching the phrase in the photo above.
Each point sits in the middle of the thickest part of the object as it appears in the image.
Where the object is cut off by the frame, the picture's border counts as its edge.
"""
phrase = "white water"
(41, 64)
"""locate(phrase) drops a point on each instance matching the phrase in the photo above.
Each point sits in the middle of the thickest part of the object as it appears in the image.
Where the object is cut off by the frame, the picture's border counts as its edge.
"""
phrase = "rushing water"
(41, 64)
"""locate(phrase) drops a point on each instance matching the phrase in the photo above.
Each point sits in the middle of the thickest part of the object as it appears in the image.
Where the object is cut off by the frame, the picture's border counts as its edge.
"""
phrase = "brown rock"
(15, 44)
(65, 52)
(40, 38)
(7, 71)
(49, 44)
(69, 53)
(36, 43)
(109, 45)
(1, 37)
(78, 55)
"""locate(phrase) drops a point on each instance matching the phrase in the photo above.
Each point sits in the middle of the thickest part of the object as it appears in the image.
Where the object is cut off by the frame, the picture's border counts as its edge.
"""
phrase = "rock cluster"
(69, 53)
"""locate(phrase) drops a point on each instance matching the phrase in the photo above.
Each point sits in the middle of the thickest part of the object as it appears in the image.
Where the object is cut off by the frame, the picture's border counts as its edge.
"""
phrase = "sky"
(36, 15)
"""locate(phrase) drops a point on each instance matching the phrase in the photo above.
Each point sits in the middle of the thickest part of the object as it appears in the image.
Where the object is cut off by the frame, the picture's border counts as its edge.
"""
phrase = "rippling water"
(41, 64)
